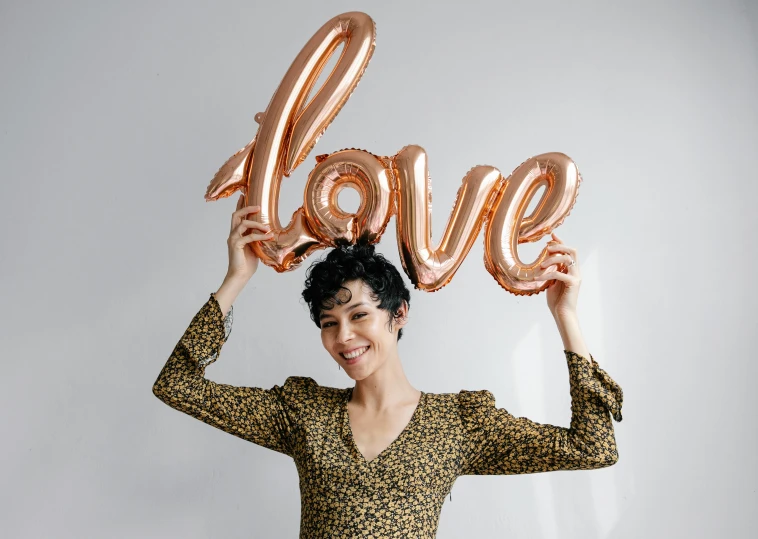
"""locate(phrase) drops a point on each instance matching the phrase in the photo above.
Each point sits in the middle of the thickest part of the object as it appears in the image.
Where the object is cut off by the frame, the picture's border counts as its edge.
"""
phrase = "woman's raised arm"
(496, 442)
(243, 262)
(255, 414)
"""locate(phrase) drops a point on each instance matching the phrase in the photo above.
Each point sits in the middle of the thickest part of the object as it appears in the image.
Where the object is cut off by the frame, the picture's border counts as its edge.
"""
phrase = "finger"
(257, 237)
(561, 248)
(235, 221)
(569, 254)
(556, 238)
(240, 241)
(236, 216)
(246, 227)
(255, 225)
(244, 212)
(559, 259)
(558, 276)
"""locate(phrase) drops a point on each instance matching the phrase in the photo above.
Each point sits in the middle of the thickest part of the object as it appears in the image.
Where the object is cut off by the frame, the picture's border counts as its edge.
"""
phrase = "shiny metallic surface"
(508, 226)
(364, 172)
(290, 127)
(400, 184)
(428, 266)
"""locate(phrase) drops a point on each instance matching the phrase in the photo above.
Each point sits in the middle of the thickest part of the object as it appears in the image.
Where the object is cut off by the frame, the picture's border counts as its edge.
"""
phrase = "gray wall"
(115, 116)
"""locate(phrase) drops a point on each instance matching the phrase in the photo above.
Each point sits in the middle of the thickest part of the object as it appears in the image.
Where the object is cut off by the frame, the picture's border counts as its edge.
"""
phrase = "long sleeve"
(254, 414)
(495, 442)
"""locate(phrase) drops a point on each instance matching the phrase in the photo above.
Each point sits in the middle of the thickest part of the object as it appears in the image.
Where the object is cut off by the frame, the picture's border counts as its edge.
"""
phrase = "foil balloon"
(231, 176)
(366, 173)
(290, 127)
(507, 225)
(428, 267)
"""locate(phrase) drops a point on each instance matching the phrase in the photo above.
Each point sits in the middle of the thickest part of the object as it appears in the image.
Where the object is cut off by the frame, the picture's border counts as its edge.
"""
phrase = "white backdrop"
(114, 116)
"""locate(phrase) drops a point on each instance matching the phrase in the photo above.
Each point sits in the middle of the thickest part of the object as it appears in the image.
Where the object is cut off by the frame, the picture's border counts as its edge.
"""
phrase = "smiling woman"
(359, 301)
(378, 459)
(325, 283)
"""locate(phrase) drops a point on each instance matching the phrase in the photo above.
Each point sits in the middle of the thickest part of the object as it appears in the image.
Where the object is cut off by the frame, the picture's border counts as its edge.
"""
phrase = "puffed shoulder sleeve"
(265, 417)
(496, 442)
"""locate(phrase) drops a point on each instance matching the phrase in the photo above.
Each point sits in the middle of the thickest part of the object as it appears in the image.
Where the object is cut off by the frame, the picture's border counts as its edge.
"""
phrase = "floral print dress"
(400, 492)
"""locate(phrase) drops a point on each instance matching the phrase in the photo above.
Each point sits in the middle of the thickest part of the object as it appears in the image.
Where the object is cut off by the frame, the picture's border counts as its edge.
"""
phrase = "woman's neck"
(384, 389)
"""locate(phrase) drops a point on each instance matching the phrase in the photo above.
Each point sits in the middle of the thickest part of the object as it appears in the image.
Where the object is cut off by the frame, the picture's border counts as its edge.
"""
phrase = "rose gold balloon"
(231, 176)
(507, 226)
(364, 172)
(290, 128)
(430, 268)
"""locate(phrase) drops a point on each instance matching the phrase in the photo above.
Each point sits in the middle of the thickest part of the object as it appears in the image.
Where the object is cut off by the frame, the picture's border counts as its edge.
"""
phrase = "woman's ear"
(402, 314)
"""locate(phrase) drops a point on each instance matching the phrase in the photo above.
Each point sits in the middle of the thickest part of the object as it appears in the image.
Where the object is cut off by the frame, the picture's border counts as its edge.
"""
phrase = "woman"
(378, 459)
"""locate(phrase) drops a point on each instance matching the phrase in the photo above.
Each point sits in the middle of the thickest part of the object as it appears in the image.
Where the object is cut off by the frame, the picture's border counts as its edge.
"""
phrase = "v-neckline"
(349, 429)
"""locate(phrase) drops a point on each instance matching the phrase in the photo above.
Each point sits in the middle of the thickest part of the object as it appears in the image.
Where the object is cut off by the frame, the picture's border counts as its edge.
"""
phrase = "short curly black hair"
(326, 278)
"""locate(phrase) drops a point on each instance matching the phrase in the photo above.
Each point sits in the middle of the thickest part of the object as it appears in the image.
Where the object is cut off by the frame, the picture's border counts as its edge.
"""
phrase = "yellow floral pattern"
(400, 492)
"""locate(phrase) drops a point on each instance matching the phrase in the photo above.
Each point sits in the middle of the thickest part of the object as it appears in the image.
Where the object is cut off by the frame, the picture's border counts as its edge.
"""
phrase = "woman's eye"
(325, 325)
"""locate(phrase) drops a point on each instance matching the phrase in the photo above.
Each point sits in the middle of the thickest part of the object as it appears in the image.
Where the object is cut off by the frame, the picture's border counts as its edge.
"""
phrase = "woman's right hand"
(243, 262)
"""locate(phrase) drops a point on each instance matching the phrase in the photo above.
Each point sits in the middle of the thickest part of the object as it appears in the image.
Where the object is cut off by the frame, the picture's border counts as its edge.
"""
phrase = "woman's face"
(357, 333)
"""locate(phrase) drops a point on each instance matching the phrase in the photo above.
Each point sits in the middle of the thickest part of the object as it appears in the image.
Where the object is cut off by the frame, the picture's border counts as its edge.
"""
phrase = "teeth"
(355, 353)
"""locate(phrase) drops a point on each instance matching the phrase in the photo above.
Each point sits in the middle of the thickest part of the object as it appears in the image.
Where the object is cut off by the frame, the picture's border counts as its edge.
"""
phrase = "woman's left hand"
(563, 292)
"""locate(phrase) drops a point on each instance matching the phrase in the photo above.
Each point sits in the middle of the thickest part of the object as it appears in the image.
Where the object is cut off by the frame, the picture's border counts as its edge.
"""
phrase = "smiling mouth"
(354, 354)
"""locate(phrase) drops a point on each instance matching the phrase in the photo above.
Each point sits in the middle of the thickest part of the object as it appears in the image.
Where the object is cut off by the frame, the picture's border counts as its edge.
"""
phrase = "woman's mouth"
(354, 356)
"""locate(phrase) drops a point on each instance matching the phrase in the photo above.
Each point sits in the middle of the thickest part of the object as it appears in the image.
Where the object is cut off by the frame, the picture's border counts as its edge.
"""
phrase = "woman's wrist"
(571, 334)
(565, 318)
(228, 292)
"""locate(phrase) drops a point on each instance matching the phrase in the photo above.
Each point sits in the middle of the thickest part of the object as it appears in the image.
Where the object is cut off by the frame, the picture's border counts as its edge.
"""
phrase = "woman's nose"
(344, 334)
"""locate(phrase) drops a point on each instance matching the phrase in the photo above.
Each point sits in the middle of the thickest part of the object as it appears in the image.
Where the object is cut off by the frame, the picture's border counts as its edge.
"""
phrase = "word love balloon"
(396, 185)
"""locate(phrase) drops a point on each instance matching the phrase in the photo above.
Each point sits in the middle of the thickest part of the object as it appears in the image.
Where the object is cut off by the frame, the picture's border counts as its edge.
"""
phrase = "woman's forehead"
(351, 293)
(357, 288)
